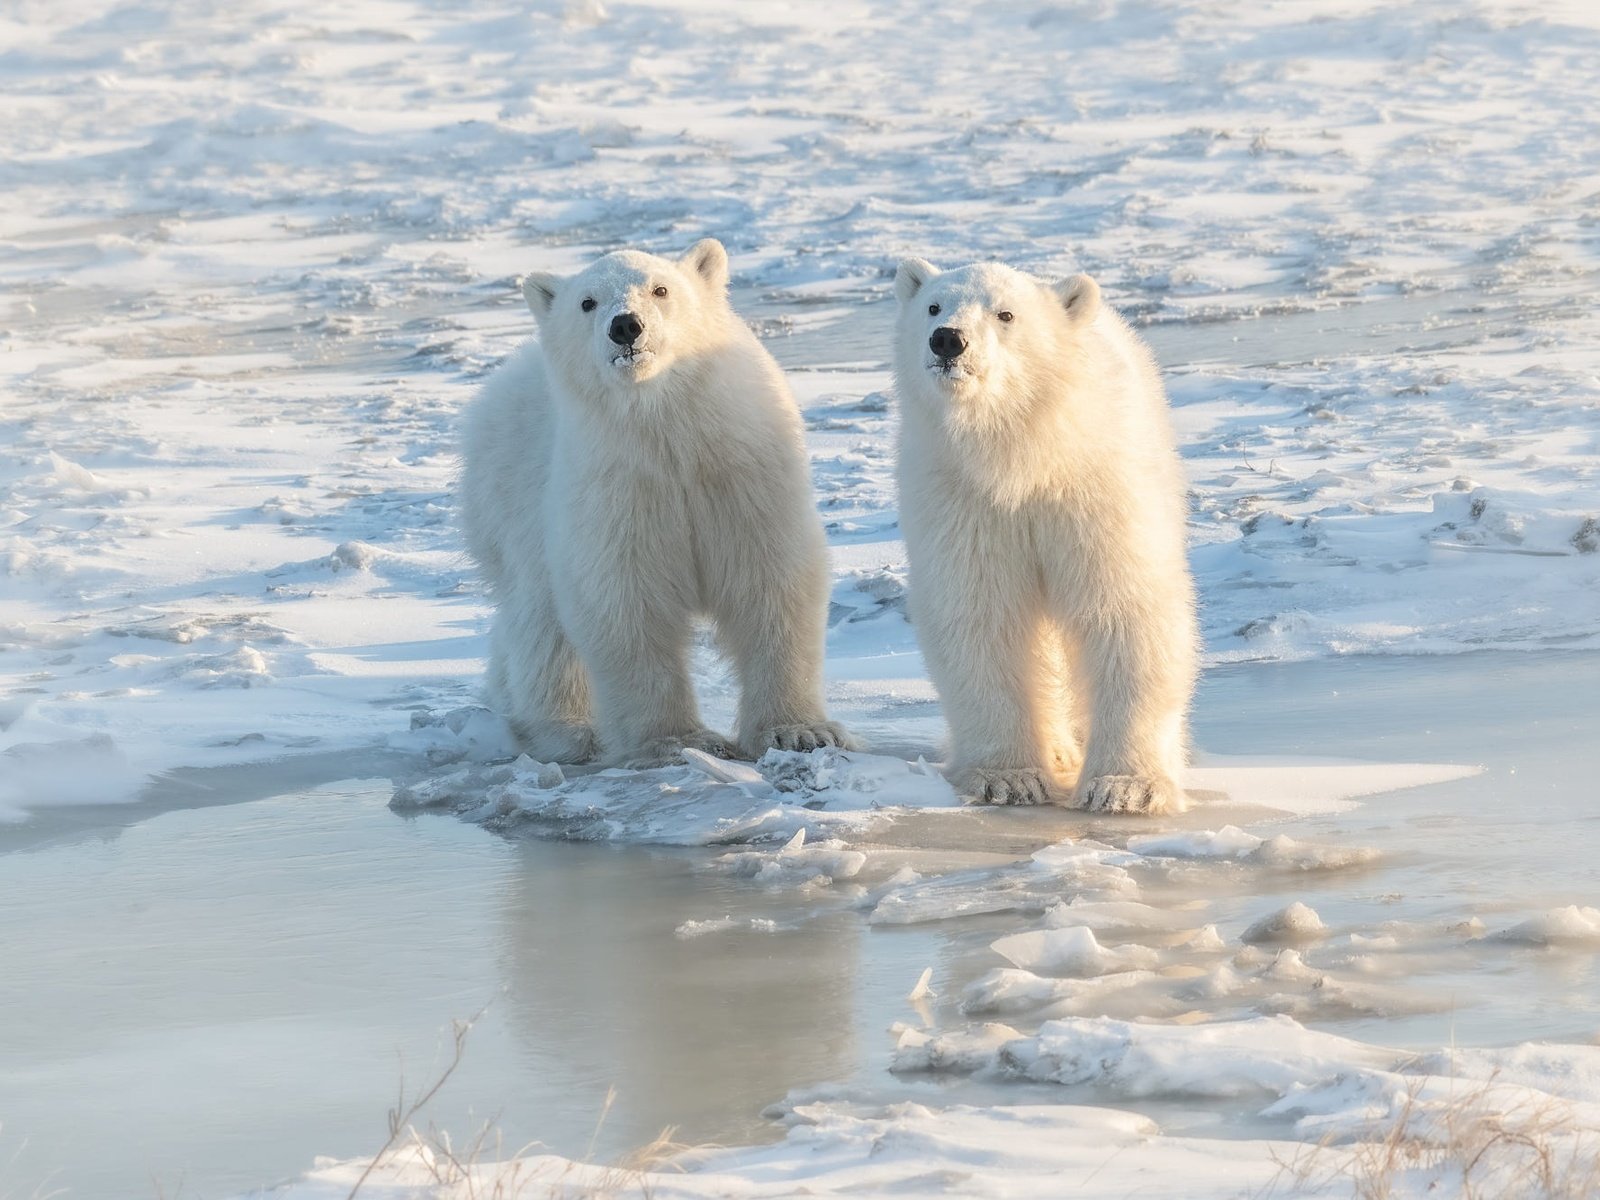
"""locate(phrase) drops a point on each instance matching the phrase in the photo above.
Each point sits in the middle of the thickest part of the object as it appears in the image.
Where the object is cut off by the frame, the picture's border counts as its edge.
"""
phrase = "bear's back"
(505, 455)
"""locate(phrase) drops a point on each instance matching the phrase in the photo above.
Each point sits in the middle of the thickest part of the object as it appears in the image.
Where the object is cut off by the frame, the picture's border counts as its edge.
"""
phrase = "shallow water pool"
(201, 1001)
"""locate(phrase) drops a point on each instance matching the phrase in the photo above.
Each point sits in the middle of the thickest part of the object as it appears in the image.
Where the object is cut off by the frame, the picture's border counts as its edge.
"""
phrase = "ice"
(1014, 993)
(970, 1050)
(796, 862)
(695, 929)
(1307, 786)
(896, 1149)
(1571, 1072)
(1119, 917)
(1231, 842)
(1283, 851)
(1070, 951)
(470, 733)
(1228, 842)
(1177, 983)
(846, 780)
(921, 989)
(723, 770)
(704, 802)
(1265, 1055)
(1033, 887)
(1572, 925)
(1296, 923)
(69, 771)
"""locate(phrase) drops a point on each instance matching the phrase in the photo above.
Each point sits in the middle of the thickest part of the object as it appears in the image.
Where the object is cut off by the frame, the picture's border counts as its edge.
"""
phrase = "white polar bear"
(640, 466)
(1043, 507)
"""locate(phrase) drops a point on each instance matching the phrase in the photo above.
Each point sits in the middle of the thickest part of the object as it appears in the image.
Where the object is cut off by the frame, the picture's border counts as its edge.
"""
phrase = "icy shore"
(255, 262)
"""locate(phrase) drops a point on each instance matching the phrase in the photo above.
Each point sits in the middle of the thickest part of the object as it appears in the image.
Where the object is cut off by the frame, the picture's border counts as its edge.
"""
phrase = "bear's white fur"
(1043, 507)
(612, 495)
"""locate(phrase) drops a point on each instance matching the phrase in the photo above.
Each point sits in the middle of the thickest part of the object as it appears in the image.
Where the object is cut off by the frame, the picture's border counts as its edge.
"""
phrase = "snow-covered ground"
(253, 258)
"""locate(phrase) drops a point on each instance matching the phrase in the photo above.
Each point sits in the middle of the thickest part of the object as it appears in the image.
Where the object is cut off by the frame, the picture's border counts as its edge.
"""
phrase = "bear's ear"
(708, 259)
(911, 275)
(539, 290)
(1080, 296)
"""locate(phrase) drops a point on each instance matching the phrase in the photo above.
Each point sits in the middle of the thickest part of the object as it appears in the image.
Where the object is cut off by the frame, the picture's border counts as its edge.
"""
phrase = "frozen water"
(209, 998)
(1070, 951)
(305, 939)
(1296, 923)
(706, 801)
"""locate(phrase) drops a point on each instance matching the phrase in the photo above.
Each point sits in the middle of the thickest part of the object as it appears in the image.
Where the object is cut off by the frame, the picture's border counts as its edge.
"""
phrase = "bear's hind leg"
(637, 654)
(536, 680)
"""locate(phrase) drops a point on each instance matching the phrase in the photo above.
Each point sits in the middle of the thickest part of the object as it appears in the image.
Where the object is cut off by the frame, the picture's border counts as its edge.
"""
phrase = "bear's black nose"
(947, 343)
(625, 329)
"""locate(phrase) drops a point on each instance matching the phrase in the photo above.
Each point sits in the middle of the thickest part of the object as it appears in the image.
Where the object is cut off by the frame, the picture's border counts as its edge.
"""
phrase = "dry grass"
(41, 1191)
(480, 1168)
(1471, 1146)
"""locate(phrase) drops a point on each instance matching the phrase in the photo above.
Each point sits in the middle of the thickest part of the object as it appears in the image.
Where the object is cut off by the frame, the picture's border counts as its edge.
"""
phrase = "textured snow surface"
(898, 1150)
(1329, 1088)
(256, 256)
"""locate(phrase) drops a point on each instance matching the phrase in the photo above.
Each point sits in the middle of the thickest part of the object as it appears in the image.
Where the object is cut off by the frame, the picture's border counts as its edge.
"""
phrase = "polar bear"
(638, 467)
(1043, 507)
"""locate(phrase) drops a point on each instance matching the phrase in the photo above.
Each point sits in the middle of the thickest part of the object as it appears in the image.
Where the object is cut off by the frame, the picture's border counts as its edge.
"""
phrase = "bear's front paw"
(556, 741)
(1132, 794)
(807, 735)
(1003, 785)
(664, 751)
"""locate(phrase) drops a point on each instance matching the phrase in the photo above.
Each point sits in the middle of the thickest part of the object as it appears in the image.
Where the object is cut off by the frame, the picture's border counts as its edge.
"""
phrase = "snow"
(1571, 924)
(1296, 923)
(704, 802)
(710, 800)
(1266, 1055)
(255, 259)
(239, 324)
(694, 929)
(904, 1149)
(1070, 951)
(1328, 1086)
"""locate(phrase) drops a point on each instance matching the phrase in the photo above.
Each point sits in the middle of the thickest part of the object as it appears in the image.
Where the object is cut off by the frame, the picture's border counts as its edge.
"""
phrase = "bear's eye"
(661, 290)
(1005, 316)
(933, 310)
(588, 304)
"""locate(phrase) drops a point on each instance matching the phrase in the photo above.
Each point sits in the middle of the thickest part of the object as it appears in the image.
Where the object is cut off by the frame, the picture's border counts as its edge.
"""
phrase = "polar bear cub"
(640, 466)
(1043, 508)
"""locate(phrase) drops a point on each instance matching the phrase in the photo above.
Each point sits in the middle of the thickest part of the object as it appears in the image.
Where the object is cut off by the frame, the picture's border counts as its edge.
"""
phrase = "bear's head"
(973, 342)
(627, 319)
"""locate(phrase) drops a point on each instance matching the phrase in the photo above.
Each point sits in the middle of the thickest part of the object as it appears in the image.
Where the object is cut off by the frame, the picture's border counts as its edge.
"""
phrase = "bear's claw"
(664, 751)
(1132, 794)
(804, 736)
(1011, 785)
(556, 741)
